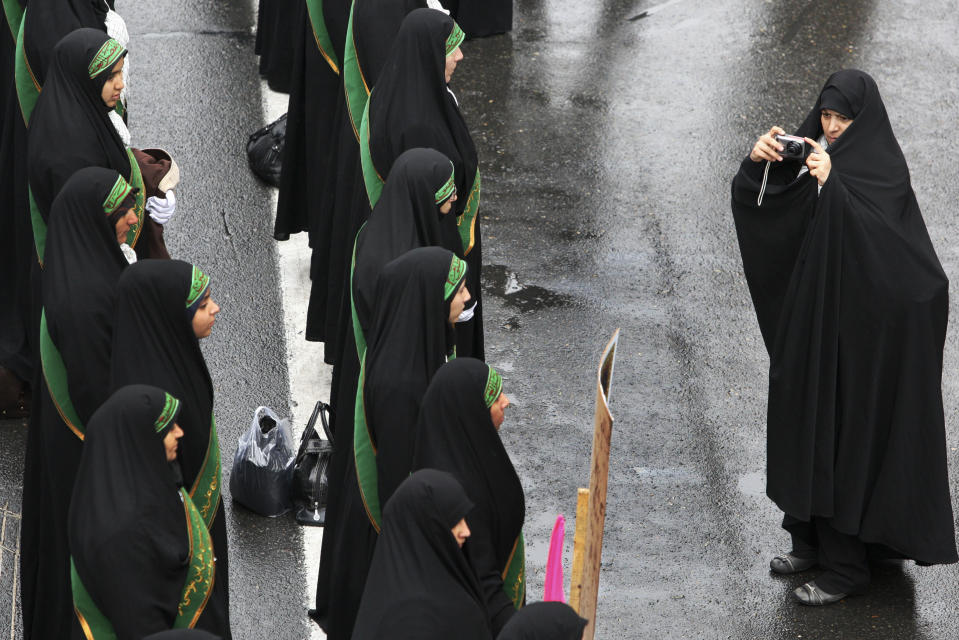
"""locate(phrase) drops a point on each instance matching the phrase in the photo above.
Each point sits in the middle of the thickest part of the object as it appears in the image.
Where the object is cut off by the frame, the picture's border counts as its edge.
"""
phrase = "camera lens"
(793, 148)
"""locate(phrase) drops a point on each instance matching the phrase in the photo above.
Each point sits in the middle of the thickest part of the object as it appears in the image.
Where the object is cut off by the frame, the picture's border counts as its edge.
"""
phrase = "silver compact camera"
(794, 147)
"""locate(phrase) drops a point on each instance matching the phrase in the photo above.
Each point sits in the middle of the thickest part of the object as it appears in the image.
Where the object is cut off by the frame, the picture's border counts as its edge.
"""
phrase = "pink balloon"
(554, 563)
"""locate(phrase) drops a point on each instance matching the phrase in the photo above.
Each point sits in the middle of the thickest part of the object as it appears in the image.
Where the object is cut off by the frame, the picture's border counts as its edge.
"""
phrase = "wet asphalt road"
(607, 133)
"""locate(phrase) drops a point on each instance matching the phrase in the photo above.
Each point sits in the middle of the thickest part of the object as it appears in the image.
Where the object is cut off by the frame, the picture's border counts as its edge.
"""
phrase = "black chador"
(345, 206)
(155, 344)
(275, 24)
(142, 558)
(407, 216)
(852, 303)
(409, 339)
(456, 433)
(84, 264)
(412, 106)
(421, 586)
(544, 621)
(482, 17)
(318, 29)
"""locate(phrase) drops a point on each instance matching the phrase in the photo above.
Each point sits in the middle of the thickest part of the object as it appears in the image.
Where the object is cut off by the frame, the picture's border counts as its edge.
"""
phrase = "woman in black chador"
(458, 432)
(418, 296)
(421, 586)
(544, 621)
(416, 200)
(852, 304)
(164, 310)
(141, 556)
(84, 263)
(412, 106)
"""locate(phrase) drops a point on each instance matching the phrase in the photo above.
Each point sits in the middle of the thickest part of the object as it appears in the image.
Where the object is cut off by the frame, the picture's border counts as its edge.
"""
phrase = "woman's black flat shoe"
(811, 595)
(788, 564)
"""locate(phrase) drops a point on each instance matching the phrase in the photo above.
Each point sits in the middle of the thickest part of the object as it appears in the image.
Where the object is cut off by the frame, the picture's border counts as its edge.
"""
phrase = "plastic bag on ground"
(263, 465)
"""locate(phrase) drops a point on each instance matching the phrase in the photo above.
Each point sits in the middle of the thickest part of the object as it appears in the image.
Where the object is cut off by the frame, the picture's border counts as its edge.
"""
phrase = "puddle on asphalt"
(753, 484)
(501, 282)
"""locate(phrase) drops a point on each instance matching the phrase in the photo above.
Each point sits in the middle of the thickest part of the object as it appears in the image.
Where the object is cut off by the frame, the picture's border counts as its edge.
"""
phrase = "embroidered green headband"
(455, 39)
(456, 275)
(448, 188)
(494, 387)
(121, 189)
(198, 286)
(170, 408)
(106, 57)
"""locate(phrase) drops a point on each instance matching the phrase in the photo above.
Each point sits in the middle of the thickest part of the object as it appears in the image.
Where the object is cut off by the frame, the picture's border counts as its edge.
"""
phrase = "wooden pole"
(579, 542)
(598, 477)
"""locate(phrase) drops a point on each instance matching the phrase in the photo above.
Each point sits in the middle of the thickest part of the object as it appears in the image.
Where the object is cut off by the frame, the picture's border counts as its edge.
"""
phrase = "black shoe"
(788, 564)
(811, 595)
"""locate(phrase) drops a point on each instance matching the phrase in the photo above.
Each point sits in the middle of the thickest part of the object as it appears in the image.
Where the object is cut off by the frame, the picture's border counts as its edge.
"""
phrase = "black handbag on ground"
(311, 485)
(264, 150)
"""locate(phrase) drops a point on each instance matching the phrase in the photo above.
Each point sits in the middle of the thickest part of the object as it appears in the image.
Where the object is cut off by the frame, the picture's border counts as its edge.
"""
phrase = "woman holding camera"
(852, 303)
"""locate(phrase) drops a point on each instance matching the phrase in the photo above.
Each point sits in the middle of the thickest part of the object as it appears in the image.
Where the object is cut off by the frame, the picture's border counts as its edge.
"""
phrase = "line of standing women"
(98, 320)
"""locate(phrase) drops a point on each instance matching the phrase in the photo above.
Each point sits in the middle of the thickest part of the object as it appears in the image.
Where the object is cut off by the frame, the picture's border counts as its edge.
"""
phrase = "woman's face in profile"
(833, 124)
(113, 85)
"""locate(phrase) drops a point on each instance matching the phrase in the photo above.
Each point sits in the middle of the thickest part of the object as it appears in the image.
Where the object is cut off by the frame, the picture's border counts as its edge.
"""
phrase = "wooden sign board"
(586, 589)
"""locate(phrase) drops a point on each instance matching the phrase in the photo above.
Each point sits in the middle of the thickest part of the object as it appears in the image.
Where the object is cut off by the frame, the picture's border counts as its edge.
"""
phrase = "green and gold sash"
(55, 376)
(514, 575)
(371, 177)
(354, 82)
(205, 491)
(28, 89)
(321, 35)
(364, 454)
(14, 15)
(466, 221)
(196, 590)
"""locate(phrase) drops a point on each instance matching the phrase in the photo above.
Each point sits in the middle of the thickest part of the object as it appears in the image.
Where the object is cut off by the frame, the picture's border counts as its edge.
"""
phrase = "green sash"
(28, 89)
(354, 83)
(196, 591)
(358, 336)
(55, 375)
(514, 575)
(321, 35)
(371, 177)
(39, 227)
(205, 491)
(364, 454)
(136, 181)
(14, 15)
(466, 221)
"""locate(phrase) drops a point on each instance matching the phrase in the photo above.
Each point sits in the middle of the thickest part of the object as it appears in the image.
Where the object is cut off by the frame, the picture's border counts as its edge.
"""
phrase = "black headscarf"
(420, 586)
(407, 216)
(154, 343)
(853, 305)
(410, 106)
(375, 24)
(128, 531)
(544, 621)
(83, 266)
(48, 21)
(455, 433)
(70, 127)
(410, 339)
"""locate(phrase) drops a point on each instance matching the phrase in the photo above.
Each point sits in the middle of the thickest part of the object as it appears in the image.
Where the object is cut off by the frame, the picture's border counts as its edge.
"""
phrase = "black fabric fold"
(544, 621)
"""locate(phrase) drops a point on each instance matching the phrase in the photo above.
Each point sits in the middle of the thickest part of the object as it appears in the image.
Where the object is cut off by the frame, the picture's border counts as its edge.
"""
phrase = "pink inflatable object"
(554, 563)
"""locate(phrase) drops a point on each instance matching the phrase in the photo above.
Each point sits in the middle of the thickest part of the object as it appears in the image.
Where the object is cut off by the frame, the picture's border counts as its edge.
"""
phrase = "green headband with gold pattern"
(106, 57)
(170, 408)
(448, 187)
(455, 39)
(455, 277)
(121, 189)
(494, 386)
(198, 285)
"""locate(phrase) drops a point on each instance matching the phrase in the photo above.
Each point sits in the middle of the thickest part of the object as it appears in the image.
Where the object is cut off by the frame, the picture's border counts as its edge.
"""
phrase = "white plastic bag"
(263, 465)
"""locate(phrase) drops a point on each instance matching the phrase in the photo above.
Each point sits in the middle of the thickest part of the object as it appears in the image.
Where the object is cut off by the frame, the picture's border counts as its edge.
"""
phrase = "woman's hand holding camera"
(818, 162)
(767, 148)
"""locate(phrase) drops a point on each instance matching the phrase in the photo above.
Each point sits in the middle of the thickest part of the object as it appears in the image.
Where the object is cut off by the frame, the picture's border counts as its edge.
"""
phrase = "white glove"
(161, 209)
(467, 314)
